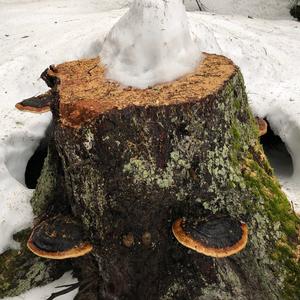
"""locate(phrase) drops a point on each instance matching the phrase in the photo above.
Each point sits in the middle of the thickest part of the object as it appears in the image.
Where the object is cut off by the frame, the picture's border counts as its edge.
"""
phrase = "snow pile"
(44, 292)
(17, 145)
(150, 44)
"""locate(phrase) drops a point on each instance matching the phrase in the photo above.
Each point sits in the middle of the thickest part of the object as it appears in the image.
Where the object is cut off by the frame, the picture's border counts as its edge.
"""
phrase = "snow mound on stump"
(150, 44)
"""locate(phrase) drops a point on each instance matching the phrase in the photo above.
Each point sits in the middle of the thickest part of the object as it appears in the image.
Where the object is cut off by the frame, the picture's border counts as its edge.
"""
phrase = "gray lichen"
(21, 270)
(49, 186)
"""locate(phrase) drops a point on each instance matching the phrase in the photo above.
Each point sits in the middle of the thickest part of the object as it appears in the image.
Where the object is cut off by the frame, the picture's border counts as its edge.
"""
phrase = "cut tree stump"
(131, 162)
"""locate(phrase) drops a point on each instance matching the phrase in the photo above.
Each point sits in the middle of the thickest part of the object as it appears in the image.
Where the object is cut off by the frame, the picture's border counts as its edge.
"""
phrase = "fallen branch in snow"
(200, 5)
(69, 288)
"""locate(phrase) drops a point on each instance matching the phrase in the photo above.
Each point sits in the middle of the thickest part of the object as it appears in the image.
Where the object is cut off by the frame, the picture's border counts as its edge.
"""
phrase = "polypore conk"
(60, 237)
(262, 126)
(150, 44)
(216, 237)
(37, 104)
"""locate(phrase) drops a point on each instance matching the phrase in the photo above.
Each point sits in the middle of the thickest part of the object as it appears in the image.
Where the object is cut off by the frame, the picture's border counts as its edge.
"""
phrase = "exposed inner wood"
(85, 93)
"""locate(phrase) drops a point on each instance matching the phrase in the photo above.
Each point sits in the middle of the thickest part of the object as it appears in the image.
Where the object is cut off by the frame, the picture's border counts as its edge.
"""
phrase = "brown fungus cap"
(262, 126)
(58, 238)
(216, 237)
(39, 104)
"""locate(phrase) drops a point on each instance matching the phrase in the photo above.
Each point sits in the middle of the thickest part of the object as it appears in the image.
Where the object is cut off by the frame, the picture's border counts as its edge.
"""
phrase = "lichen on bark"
(49, 191)
(21, 270)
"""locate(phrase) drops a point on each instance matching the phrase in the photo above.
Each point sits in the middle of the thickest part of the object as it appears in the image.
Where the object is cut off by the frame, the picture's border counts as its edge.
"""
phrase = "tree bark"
(134, 161)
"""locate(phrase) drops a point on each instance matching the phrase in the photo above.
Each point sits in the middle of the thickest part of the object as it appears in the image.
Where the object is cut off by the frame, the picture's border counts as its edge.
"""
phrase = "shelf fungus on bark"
(216, 237)
(262, 126)
(38, 104)
(60, 237)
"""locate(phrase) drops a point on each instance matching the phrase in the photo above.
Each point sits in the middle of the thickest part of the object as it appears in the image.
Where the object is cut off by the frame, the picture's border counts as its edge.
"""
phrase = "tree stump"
(134, 161)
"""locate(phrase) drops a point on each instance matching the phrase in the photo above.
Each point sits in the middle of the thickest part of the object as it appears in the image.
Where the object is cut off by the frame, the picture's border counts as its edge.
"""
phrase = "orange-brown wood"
(85, 93)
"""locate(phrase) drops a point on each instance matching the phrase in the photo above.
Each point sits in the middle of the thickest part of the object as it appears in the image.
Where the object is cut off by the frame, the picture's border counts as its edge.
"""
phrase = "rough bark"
(136, 160)
(133, 161)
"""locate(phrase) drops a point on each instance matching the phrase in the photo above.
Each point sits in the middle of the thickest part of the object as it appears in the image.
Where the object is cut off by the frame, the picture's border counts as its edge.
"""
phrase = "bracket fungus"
(216, 237)
(262, 126)
(38, 104)
(60, 237)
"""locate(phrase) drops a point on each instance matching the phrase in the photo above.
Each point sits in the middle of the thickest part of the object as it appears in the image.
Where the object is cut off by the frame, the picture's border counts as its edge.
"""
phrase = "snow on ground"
(44, 292)
(64, 6)
(267, 9)
(35, 34)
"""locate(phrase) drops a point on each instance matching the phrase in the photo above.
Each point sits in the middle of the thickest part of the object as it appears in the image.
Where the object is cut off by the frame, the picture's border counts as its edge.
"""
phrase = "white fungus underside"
(61, 30)
(150, 44)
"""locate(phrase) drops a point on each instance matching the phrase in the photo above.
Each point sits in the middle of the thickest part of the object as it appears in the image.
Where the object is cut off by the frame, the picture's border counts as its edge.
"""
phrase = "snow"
(150, 44)
(267, 9)
(35, 34)
(16, 147)
(63, 6)
(44, 292)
